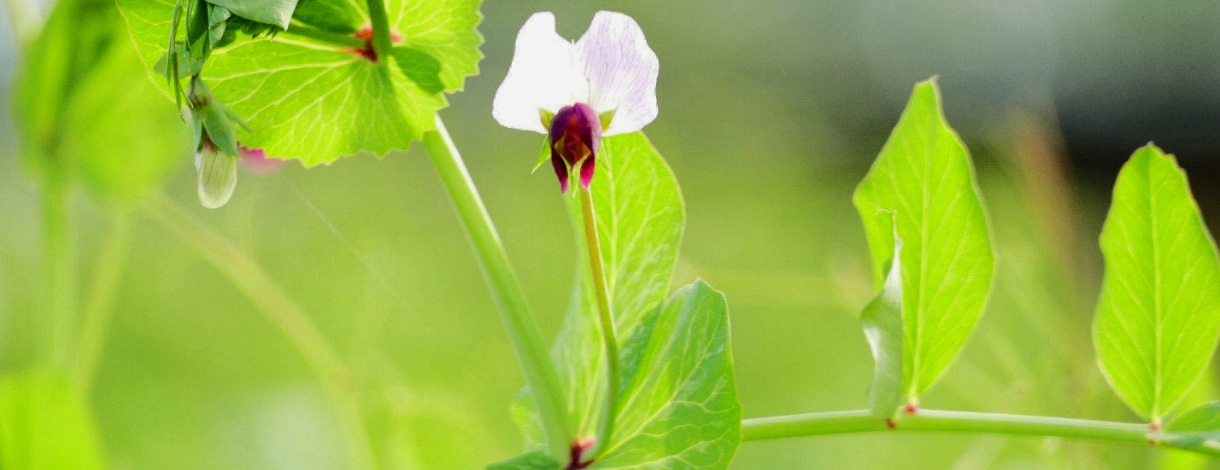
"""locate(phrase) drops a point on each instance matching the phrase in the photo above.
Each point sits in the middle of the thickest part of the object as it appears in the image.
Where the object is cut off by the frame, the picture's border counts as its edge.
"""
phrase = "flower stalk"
(609, 337)
(284, 313)
(60, 272)
(925, 420)
(98, 307)
(381, 28)
(510, 301)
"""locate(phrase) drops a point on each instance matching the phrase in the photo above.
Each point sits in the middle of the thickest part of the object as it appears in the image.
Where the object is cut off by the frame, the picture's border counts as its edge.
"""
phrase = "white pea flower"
(576, 92)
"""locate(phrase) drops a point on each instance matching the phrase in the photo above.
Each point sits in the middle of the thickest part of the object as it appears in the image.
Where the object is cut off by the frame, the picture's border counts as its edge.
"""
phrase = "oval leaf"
(1158, 318)
(315, 101)
(922, 188)
(678, 402)
(679, 406)
(640, 219)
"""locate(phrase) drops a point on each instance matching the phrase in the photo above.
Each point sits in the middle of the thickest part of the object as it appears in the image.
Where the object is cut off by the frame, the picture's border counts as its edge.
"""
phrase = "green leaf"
(1193, 428)
(678, 407)
(922, 188)
(328, 15)
(529, 461)
(44, 424)
(678, 403)
(314, 101)
(1158, 318)
(882, 321)
(276, 12)
(101, 124)
(640, 219)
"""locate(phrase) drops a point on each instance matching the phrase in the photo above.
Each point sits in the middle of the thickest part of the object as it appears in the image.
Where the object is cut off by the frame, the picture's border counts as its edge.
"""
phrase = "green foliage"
(921, 189)
(1158, 318)
(529, 461)
(316, 101)
(640, 219)
(45, 424)
(1194, 427)
(678, 402)
(328, 15)
(882, 321)
(276, 12)
(83, 112)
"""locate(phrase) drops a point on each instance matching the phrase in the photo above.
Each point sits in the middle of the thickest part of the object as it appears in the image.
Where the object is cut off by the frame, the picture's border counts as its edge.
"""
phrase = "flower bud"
(217, 175)
(575, 135)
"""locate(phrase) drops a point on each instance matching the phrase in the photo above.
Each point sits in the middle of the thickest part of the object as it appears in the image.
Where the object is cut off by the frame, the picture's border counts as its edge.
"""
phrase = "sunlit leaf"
(1158, 318)
(882, 321)
(922, 188)
(530, 461)
(1194, 427)
(276, 12)
(45, 424)
(315, 101)
(640, 219)
(678, 403)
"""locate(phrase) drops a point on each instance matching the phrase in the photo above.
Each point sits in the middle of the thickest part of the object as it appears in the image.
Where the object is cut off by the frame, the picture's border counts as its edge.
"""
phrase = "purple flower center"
(576, 133)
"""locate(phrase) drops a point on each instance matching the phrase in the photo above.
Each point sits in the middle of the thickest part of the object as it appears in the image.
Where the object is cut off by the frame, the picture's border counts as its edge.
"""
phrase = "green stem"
(381, 28)
(510, 300)
(60, 272)
(861, 421)
(606, 427)
(336, 39)
(282, 311)
(97, 312)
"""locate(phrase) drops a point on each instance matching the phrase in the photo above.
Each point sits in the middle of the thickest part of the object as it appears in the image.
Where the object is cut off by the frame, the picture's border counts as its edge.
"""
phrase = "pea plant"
(639, 376)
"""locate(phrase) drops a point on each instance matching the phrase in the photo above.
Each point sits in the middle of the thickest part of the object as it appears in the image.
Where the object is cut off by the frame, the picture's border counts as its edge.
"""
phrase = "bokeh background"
(771, 111)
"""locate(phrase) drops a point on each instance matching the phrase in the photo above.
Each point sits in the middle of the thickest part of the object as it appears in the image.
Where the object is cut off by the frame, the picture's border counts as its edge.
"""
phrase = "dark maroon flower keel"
(575, 134)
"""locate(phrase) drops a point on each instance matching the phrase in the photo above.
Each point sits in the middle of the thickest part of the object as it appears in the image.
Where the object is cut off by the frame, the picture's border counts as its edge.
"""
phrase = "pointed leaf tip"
(922, 189)
(1159, 307)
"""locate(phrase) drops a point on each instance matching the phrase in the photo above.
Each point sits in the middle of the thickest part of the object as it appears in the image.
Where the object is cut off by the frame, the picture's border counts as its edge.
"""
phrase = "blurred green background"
(770, 113)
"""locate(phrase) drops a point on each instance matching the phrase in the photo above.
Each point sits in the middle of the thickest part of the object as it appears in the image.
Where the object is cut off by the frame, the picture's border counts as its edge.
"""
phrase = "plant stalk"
(60, 272)
(609, 338)
(381, 28)
(510, 300)
(96, 316)
(862, 421)
(282, 311)
(340, 40)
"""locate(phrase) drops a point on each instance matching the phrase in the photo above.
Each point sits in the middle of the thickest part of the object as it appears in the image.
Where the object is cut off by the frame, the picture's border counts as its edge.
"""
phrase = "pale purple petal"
(621, 71)
(544, 75)
(256, 161)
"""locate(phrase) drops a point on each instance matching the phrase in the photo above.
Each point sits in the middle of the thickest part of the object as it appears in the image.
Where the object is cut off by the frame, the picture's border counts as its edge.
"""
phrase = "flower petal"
(621, 70)
(544, 75)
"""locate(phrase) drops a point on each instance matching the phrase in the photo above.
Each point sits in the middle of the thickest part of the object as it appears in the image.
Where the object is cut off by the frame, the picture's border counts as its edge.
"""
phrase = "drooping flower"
(576, 92)
(217, 172)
